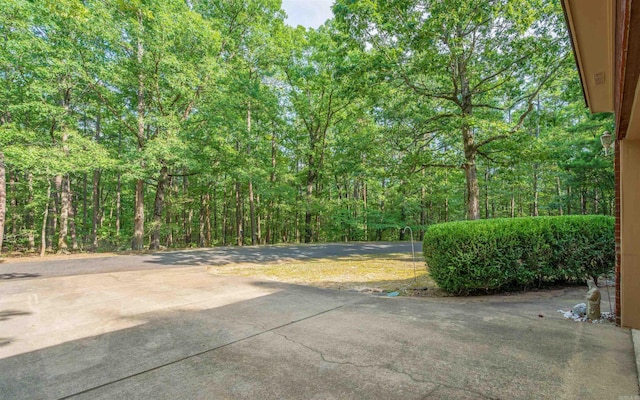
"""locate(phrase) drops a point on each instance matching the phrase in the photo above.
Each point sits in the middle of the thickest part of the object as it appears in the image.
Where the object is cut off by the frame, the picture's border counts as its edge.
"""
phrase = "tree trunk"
(365, 215)
(96, 210)
(43, 235)
(272, 179)
(65, 201)
(213, 230)
(158, 206)
(168, 214)
(118, 206)
(486, 193)
(207, 217)
(252, 215)
(64, 215)
(446, 209)
(239, 217)
(559, 194)
(12, 210)
(85, 211)
(138, 221)
(202, 221)
(187, 215)
(137, 242)
(225, 211)
(72, 218)
(252, 206)
(308, 216)
(3, 197)
(513, 204)
(30, 216)
(471, 174)
(535, 190)
(53, 218)
(258, 222)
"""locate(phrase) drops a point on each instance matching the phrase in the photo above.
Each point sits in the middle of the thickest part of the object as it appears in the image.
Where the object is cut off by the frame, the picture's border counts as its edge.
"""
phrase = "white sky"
(308, 13)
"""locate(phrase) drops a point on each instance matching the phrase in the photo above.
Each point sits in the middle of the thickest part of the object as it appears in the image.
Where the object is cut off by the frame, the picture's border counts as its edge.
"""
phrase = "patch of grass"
(367, 273)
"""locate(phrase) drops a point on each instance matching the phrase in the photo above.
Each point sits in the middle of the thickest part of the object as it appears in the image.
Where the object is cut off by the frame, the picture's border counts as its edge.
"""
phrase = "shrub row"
(518, 253)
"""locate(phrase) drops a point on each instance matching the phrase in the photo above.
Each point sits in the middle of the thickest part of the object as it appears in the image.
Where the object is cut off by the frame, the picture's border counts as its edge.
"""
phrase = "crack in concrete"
(242, 339)
(388, 367)
(322, 356)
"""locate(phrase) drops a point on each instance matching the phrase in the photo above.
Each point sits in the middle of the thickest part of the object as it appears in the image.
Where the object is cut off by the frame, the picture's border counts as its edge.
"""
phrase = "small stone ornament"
(593, 301)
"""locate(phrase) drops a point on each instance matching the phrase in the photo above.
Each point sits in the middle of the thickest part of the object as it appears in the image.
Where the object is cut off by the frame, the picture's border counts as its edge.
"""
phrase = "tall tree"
(472, 62)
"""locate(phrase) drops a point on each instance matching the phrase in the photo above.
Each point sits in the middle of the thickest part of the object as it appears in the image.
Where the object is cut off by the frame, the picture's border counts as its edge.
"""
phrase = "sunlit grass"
(374, 273)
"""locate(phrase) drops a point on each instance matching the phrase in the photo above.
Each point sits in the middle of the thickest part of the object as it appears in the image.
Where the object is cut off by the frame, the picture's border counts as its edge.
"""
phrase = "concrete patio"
(187, 334)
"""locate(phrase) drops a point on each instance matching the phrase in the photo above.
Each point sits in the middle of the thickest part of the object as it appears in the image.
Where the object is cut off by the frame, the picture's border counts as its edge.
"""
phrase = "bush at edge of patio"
(518, 253)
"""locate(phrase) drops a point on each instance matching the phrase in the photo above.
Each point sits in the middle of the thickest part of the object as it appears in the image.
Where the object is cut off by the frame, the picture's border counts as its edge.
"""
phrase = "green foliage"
(350, 124)
(501, 254)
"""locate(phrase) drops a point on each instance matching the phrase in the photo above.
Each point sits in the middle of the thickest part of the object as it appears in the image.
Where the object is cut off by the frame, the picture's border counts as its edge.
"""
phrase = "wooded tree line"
(179, 123)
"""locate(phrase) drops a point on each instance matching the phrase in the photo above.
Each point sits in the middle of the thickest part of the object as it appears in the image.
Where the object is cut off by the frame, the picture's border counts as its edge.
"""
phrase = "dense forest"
(187, 123)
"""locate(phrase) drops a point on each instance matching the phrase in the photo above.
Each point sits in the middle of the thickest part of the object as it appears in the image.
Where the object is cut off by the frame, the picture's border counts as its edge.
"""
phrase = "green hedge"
(518, 253)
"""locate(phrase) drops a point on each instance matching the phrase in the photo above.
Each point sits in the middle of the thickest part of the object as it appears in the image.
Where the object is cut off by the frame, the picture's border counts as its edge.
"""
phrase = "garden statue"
(593, 301)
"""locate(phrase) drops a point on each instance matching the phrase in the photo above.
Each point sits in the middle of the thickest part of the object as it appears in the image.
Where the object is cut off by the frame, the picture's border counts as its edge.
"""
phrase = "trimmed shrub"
(518, 253)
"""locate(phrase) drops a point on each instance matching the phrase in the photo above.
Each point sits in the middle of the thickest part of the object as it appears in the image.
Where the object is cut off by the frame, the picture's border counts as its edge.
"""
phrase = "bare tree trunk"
(252, 206)
(568, 200)
(3, 197)
(158, 206)
(53, 216)
(72, 218)
(471, 175)
(559, 194)
(85, 211)
(225, 211)
(365, 215)
(64, 215)
(188, 214)
(486, 193)
(239, 230)
(535, 190)
(214, 229)
(64, 212)
(168, 214)
(469, 146)
(30, 217)
(202, 221)
(252, 214)
(96, 210)
(207, 217)
(138, 223)
(118, 206)
(446, 209)
(13, 205)
(513, 204)
(308, 229)
(65, 201)
(272, 179)
(43, 235)
(258, 222)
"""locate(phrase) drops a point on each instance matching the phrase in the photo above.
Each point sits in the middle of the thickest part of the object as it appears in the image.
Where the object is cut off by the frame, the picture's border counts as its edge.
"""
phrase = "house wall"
(629, 278)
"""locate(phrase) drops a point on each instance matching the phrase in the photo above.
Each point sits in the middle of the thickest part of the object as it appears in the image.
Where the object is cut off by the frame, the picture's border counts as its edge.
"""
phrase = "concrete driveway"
(187, 334)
